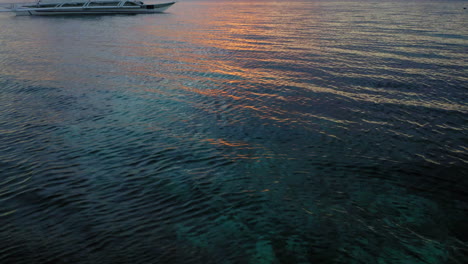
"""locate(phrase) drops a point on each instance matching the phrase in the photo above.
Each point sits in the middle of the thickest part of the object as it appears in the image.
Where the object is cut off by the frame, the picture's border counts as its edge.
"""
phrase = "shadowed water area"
(236, 132)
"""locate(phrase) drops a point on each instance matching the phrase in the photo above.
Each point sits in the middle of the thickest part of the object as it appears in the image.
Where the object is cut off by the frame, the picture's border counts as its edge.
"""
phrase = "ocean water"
(237, 132)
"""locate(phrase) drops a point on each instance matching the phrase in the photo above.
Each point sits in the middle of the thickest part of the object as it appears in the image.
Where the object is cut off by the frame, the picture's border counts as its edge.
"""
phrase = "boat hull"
(144, 9)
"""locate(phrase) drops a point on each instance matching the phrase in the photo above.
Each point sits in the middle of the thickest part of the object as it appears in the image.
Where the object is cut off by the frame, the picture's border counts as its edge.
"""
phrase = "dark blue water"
(237, 132)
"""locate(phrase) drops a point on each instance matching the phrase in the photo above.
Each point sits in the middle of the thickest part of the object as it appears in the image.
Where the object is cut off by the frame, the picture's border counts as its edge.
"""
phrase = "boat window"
(46, 5)
(72, 5)
(103, 3)
(130, 4)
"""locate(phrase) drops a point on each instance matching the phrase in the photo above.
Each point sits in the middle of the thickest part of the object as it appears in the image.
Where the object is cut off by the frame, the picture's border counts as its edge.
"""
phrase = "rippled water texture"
(236, 132)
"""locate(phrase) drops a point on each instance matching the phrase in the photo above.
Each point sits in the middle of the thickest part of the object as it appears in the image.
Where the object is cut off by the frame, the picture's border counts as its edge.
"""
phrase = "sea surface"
(237, 132)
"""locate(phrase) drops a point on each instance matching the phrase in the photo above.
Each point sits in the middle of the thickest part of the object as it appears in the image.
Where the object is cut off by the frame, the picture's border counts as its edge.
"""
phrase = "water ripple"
(267, 132)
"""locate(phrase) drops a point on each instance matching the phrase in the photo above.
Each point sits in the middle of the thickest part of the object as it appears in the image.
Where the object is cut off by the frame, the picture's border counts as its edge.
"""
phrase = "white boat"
(81, 7)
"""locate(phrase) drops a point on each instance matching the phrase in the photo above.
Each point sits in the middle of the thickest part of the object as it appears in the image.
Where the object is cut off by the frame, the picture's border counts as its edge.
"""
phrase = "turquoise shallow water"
(236, 132)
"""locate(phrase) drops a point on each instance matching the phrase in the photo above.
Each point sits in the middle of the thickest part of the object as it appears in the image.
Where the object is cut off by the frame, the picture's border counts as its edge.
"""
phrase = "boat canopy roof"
(61, 1)
(79, 1)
